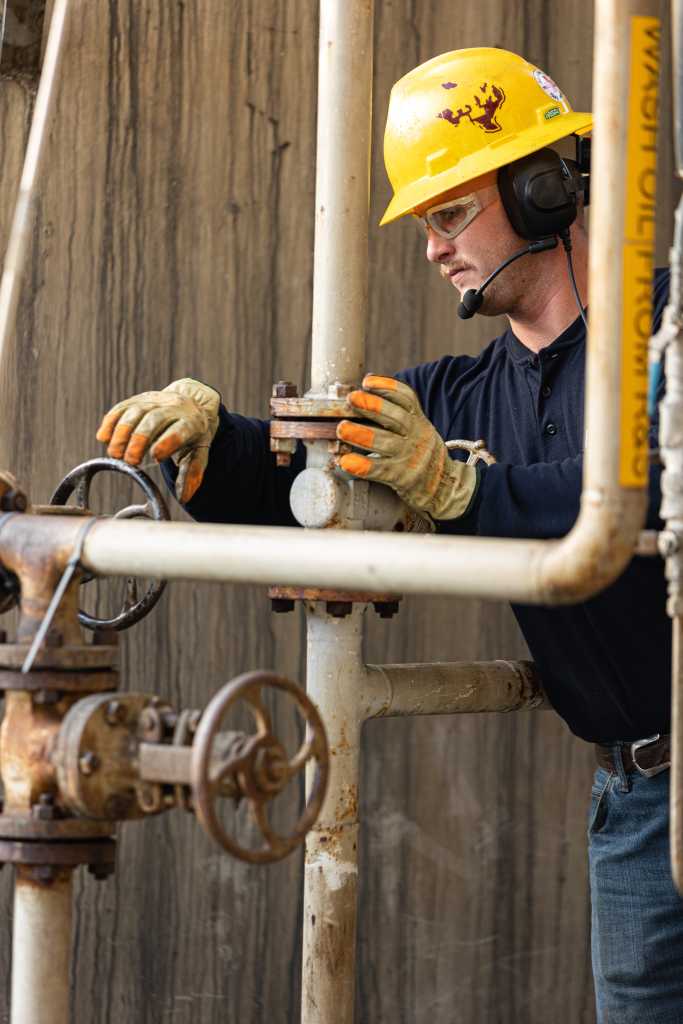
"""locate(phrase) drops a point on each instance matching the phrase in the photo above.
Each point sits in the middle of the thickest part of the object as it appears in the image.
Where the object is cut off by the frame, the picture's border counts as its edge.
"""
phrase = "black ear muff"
(539, 194)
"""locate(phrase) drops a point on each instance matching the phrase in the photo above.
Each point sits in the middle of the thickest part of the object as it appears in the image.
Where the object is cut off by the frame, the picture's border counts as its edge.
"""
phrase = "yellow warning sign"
(639, 243)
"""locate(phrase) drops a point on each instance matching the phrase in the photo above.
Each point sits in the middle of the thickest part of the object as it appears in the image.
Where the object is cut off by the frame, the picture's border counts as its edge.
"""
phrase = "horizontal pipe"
(452, 688)
(343, 559)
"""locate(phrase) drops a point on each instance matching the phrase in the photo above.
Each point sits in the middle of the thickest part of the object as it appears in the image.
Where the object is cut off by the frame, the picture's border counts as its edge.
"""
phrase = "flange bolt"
(88, 763)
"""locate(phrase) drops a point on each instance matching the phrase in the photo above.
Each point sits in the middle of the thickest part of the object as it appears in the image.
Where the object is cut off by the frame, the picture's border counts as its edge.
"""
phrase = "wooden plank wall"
(174, 237)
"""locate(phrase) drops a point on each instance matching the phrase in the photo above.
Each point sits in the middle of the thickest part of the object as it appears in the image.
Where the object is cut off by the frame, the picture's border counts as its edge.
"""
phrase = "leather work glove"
(181, 422)
(410, 455)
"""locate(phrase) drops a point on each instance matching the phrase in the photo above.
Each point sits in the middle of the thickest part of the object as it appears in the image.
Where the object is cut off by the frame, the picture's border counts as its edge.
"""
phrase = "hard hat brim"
(512, 148)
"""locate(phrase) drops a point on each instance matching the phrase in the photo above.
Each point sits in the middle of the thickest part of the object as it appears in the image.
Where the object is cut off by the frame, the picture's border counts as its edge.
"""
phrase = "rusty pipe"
(451, 688)
(335, 679)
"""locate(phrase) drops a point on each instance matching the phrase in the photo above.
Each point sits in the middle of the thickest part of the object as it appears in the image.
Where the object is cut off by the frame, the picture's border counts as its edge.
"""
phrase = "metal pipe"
(342, 559)
(22, 223)
(669, 341)
(451, 688)
(41, 946)
(677, 68)
(335, 682)
(342, 198)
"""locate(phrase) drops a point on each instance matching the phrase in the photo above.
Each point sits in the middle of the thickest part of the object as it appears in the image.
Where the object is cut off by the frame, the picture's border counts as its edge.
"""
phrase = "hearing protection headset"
(540, 192)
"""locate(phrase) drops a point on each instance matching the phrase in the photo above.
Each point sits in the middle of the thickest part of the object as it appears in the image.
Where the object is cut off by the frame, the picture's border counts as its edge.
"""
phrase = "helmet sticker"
(488, 106)
(546, 83)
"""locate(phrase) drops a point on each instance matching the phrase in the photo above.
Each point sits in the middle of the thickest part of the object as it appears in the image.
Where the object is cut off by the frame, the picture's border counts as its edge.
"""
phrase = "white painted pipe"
(41, 947)
(22, 223)
(355, 560)
(335, 678)
(342, 194)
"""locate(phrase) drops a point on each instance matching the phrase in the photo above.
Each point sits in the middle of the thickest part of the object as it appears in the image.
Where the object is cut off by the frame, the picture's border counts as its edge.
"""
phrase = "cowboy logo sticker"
(482, 111)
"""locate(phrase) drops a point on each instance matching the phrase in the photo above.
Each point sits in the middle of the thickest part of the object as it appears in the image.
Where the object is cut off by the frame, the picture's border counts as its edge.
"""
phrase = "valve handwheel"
(78, 481)
(256, 766)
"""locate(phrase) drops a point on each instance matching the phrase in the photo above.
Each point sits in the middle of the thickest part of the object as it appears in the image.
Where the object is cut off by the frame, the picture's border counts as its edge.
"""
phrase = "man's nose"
(439, 249)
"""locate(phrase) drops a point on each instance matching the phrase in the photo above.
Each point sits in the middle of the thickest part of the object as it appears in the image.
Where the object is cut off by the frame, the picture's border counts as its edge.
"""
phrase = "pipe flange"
(339, 602)
(22, 828)
(98, 854)
(59, 682)
(69, 658)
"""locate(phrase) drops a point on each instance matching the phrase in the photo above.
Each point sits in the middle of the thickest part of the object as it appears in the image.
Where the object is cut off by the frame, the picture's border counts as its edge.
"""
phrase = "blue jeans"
(637, 914)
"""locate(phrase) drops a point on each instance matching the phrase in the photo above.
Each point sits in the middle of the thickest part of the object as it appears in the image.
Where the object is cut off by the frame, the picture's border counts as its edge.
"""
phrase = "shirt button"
(546, 391)
(551, 429)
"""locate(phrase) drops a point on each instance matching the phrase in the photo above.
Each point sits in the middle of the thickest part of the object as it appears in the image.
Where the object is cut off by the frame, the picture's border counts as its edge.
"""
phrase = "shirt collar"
(572, 335)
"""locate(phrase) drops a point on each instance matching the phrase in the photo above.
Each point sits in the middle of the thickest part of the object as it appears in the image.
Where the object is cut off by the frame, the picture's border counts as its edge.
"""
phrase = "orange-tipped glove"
(409, 454)
(181, 422)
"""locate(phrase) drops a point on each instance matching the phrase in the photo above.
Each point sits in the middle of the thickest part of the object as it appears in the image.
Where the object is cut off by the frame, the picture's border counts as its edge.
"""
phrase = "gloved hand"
(412, 457)
(181, 421)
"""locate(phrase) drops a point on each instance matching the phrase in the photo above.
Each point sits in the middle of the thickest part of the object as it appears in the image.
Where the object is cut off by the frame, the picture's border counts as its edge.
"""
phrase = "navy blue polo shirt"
(605, 663)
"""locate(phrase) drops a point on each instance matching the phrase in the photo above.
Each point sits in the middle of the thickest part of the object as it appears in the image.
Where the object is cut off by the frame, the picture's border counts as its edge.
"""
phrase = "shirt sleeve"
(242, 482)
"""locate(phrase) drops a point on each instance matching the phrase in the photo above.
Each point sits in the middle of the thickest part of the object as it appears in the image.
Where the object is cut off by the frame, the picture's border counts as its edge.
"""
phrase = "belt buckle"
(647, 772)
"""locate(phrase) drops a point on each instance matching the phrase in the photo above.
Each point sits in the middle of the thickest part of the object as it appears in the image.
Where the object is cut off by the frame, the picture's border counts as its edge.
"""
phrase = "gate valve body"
(121, 756)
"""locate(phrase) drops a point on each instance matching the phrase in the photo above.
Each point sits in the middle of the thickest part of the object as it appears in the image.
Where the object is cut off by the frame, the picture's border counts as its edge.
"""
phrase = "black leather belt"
(649, 756)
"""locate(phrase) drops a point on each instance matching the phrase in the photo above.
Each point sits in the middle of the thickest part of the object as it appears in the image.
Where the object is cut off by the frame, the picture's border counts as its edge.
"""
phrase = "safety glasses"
(449, 219)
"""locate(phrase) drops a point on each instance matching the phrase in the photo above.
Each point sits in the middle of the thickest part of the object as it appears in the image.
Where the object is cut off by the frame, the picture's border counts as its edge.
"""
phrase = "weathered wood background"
(174, 237)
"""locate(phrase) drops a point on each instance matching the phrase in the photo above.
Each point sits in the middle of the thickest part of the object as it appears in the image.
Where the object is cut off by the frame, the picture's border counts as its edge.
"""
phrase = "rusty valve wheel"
(78, 481)
(255, 766)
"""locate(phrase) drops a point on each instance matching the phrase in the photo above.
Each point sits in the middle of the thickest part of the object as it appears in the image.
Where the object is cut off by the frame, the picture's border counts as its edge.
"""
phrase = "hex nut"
(115, 713)
(149, 725)
(285, 389)
(338, 609)
(45, 809)
(101, 871)
(44, 873)
(47, 697)
(385, 609)
(88, 763)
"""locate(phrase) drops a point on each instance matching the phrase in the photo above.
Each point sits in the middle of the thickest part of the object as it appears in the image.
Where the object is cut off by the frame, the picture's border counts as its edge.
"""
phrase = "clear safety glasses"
(449, 219)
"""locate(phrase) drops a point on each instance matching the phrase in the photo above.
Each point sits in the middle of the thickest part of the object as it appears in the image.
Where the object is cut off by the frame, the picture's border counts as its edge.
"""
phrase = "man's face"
(467, 260)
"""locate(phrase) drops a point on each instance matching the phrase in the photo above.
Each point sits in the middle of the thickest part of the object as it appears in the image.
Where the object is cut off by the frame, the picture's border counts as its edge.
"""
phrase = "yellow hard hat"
(463, 114)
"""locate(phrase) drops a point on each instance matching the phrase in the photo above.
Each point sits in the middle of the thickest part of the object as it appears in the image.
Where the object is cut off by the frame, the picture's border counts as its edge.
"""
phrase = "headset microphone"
(473, 298)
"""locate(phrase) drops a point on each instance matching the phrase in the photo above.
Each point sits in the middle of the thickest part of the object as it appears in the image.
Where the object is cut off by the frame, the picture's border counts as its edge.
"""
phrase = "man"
(466, 151)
